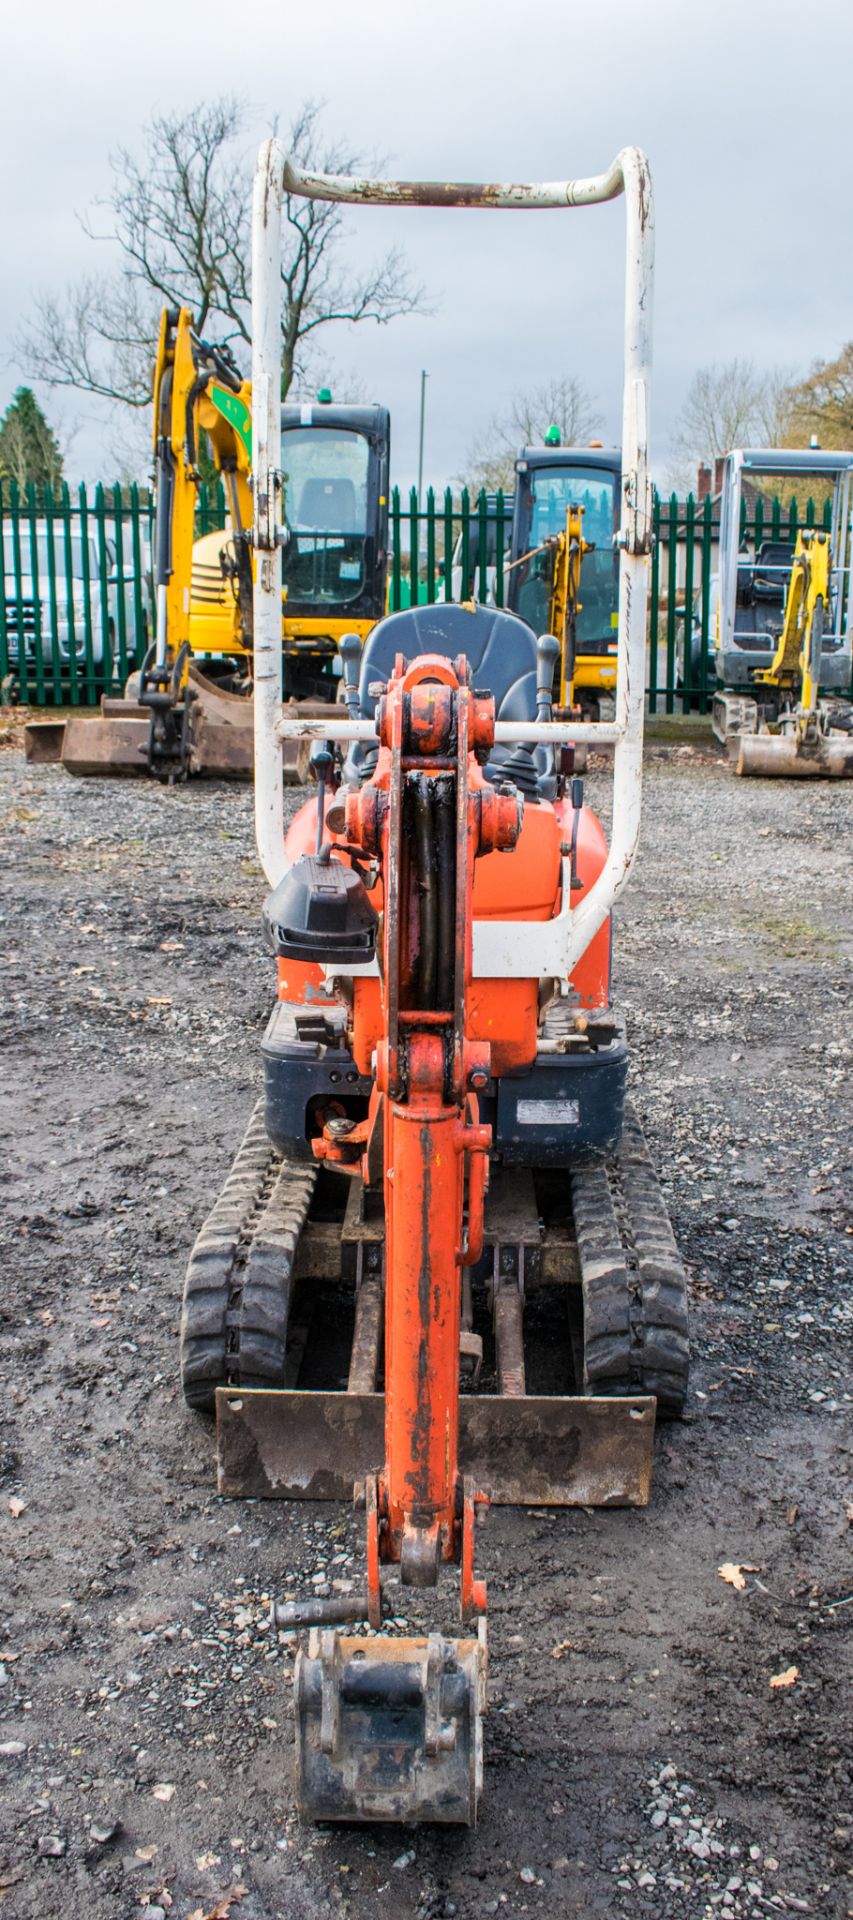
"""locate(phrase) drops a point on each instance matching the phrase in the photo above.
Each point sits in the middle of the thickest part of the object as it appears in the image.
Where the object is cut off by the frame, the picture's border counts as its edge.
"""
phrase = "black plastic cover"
(321, 911)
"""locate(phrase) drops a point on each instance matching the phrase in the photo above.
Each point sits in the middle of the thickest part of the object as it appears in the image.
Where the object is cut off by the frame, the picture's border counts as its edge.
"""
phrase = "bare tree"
(563, 403)
(731, 404)
(822, 404)
(179, 215)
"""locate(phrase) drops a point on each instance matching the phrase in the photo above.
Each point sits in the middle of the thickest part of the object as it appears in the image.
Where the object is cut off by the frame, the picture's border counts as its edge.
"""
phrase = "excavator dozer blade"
(222, 735)
(390, 1729)
(114, 742)
(535, 1450)
(43, 742)
(780, 756)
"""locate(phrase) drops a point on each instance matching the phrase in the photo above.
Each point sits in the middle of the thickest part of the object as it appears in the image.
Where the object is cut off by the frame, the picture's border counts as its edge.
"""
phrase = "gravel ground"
(638, 1759)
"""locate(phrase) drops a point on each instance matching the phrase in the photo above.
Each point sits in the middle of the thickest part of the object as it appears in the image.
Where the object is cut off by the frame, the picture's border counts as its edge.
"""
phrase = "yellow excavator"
(546, 585)
(577, 678)
(189, 709)
(791, 731)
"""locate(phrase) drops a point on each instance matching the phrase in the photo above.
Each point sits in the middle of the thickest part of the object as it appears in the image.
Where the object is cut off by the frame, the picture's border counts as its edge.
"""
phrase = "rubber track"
(237, 1286)
(634, 1287)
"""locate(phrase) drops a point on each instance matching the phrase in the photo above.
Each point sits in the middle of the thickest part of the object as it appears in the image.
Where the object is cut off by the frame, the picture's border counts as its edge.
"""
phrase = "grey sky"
(744, 115)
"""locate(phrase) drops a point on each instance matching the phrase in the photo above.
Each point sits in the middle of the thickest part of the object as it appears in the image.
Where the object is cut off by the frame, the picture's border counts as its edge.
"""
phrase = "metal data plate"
(537, 1451)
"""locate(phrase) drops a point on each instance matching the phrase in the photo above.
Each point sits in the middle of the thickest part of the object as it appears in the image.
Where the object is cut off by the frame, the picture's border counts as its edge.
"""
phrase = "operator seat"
(500, 650)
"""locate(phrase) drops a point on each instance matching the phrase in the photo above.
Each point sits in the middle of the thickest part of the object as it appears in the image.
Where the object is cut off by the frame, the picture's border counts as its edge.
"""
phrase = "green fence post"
(482, 593)
(70, 610)
(465, 510)
(414, 546)
(150, 510)
(139, 642)
(4, 641)
(395, 551)
(448, 544)
(35, 577)
(86, 558)
(430, 546)
(775, 517)
(500, 515)
(689, 537)
(17, 567)
(121, 609)
(103, 591)
(654, 606)
(55, 658)
(707, 542)
(671, 594)
(202, 510)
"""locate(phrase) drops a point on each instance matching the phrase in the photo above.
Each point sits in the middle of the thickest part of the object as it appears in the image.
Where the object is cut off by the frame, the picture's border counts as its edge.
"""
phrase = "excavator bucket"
(782, 756)
(220, 740)
(390, 1729)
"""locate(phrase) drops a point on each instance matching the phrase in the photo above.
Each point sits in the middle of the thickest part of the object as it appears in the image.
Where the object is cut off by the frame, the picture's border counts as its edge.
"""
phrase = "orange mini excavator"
(440, 1271)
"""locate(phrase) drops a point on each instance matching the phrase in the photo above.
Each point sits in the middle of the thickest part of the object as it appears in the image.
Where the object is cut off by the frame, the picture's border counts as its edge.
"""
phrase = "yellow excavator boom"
(795, 667)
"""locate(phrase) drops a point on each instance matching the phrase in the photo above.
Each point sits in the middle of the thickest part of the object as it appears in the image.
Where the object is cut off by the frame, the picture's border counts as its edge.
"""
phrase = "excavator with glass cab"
(188, 710)
(563, 574)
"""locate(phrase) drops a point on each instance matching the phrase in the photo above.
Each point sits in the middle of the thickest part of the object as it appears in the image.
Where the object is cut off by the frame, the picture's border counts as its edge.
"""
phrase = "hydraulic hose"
(445, 859)
(427, 900)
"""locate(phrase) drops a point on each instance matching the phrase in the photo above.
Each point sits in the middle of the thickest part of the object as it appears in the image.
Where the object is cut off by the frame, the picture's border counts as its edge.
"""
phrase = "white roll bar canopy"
(495, 952)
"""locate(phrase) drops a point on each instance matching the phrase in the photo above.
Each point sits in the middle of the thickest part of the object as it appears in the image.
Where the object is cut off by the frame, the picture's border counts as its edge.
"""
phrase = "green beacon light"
(552, 436)
(325, 396)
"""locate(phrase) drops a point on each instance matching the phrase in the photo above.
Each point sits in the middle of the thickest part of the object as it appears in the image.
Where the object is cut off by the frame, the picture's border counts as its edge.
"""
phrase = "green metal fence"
(76, 593)
(448, 549)
(77, 604)
(684, 557)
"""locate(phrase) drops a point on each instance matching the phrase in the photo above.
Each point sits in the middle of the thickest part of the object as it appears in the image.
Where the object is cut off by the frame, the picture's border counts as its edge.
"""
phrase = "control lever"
(577, 804)
(322, 766)
(350, 652)
(547, 655)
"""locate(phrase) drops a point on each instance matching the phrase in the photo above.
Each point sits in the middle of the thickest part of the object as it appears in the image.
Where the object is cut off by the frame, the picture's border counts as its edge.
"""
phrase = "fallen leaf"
(206, 1860)
(792, 1515)
(733, 1574)
(170, 946)
(785, 1679)
(145, 1854)
(17, 1507)
(222, 1908)
(163, 1791)
(157, 1000)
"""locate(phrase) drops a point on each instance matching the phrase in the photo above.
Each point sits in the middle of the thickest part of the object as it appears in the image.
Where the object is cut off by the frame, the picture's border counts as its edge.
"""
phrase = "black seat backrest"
(499, 649)
(773, 563)
(328, 506)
